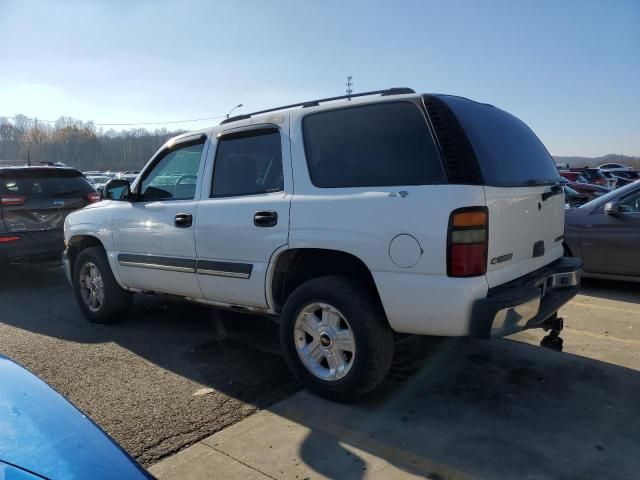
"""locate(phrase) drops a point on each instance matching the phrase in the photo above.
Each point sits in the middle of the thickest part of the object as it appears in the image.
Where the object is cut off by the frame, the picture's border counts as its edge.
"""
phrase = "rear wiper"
(555, 190)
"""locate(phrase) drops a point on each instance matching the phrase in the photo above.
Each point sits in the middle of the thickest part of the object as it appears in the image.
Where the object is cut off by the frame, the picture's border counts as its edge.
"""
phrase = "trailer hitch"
(554, 326)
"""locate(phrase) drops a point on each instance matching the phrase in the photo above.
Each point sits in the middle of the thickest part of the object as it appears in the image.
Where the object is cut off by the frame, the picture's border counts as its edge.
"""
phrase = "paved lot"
(173, 374)
(457, 408)
(170, 375)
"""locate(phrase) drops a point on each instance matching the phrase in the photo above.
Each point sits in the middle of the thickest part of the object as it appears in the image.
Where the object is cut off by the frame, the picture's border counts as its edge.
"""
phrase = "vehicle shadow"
(611, 290)
(223, 366)
(474, 409)
(450, 408)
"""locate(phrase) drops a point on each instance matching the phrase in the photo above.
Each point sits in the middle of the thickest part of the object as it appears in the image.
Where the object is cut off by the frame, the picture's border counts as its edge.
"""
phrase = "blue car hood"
(44, 434)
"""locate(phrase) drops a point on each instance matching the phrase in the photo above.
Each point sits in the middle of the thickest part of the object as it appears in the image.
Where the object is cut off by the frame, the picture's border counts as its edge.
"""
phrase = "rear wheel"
(100, 297)
(335, 338)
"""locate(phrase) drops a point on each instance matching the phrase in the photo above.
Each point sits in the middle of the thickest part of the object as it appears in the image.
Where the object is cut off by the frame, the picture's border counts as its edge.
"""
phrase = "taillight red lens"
(467, 242)
(12, 199)
(93, 197)
(468, 260)
(9, 239)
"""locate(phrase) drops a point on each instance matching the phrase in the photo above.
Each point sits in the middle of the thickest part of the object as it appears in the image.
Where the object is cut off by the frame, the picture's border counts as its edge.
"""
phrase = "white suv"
(346, 219)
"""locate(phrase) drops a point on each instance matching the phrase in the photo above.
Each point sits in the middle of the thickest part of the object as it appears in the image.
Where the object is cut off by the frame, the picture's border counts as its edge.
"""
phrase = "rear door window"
(248, 163)
(508, 152)
(383, 144)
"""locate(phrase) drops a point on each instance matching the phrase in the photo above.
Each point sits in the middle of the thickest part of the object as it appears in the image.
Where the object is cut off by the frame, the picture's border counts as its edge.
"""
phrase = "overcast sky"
(570, 69)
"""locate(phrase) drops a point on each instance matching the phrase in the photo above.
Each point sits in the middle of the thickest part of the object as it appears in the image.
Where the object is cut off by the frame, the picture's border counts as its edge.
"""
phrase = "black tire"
(374, 340)
(116, 300)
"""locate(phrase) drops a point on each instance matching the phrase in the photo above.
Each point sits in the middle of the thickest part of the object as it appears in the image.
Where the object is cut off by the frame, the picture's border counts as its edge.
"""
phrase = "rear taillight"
(12, 199)
(92, 197)
(9, 239)
(467, 242)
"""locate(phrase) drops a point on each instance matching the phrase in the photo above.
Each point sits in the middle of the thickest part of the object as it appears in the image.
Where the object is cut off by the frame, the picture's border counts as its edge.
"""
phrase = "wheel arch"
(292, 267)
(77, 244)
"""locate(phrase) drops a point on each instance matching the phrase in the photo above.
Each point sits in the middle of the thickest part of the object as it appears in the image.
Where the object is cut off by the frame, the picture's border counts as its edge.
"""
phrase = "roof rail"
(314, 103)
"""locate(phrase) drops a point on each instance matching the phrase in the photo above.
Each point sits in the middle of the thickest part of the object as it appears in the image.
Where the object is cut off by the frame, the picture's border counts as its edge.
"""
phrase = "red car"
(574, 177)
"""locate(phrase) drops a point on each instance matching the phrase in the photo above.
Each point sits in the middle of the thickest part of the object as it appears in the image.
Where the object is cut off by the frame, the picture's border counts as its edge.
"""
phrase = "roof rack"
(314, 103)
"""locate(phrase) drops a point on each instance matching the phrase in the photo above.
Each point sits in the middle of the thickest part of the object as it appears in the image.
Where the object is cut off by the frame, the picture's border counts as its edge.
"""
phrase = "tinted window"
(248, 164)
(175, 176)
(373, 145)
(508, 151)
(39, 183)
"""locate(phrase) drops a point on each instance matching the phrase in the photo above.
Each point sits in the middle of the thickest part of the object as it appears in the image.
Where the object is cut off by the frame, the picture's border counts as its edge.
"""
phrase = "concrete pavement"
(461, 409)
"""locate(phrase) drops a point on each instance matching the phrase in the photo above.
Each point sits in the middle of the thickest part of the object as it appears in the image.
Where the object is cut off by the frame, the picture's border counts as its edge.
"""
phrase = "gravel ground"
(170, 375)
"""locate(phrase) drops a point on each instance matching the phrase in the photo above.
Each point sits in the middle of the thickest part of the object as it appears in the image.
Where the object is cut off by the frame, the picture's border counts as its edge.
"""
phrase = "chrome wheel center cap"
(325, 340)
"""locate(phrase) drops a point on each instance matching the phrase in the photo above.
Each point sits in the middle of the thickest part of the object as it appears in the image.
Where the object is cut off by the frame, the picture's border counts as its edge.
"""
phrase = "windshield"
(611, 196)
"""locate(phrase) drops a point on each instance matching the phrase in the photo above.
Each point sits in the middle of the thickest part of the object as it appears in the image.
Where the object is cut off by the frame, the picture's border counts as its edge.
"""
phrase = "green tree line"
(77, 144)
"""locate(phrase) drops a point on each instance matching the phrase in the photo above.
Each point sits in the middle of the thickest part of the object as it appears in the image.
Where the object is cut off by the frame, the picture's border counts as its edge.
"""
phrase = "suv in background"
(345, 220)
(34, 202)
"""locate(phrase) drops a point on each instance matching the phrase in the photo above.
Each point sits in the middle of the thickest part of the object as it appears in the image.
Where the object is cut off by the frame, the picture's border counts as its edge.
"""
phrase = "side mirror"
(612, 208)
(116, 189)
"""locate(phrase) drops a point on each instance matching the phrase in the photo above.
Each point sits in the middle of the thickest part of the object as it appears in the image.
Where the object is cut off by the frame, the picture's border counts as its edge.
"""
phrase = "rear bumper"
(527, 301)
(33, 247)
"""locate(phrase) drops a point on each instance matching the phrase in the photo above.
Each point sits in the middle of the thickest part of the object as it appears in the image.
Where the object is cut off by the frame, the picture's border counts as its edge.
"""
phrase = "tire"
(114, 301)
(351, 374)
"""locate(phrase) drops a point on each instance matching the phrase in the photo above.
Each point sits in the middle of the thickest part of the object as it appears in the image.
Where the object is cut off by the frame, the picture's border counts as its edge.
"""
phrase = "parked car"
(594, 176)
(605, 234)
(611, 179)
(573, 177)
(629, 175)
(573, 198)
(623, 178)
(614, 167)
(622, 181)
(345, 220)
(99, 181)
(590, 191)
(34, 202)
(128, 176)
(45, 436)
(52, 164)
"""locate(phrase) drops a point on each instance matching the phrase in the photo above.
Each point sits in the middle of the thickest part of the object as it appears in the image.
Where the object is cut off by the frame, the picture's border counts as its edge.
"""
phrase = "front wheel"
(336, 338)
(99, 296)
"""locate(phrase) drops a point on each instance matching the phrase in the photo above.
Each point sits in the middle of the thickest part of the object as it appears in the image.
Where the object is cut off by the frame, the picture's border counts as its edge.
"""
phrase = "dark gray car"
(34, 202)
(605, 233)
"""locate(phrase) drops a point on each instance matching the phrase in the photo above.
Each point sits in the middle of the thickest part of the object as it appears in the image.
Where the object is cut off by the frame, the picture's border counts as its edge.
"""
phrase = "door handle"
(183, 220)
(555, 190)
(265, 219)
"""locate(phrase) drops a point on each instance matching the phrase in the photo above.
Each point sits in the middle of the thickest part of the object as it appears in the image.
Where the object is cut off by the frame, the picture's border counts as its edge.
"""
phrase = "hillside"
(578, 162)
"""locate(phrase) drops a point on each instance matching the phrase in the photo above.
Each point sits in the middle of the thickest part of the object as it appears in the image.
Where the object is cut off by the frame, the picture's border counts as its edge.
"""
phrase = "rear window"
(383, 144)
(44, 183)
(508, 152)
